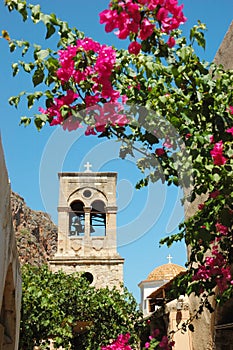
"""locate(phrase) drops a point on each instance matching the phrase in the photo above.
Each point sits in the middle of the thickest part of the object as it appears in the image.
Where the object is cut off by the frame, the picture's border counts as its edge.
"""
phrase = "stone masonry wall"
(10, 278)
(203, 336)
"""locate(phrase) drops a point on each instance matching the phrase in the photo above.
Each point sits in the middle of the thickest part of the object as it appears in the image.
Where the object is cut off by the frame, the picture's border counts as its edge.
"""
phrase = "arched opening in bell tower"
(98, 219)
(76, 219)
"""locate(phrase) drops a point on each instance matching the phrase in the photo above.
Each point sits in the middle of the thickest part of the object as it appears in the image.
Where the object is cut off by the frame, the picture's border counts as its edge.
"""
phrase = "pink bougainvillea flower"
(92, 100)
(217, 154)
(126, 16)
(109, 17)
(155, 333)
(66, 59)
(124, 99)
(134, 47)
(214, 194)
(106, 114)
(201, 206)
(162, 14)
(134, 27)
(120, 120)
(230, 130)
(211, 138)
(167, 143)
(147, 29)
(215, 267)
(134, 11)
(90, 130)
(230, 109)
(143, 2)
(54, 112)
(99, 71)
(172, 343)
(221, 229)
(121, 343)
(171, 42)
(159, 152)
(164, 343)
(71, 124)
(89, 44)
(122, 34)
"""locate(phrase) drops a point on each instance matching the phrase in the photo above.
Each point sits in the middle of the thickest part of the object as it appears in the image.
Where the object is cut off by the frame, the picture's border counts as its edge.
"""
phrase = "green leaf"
(35, 12)
(163, 99)
(12, 46)
(216, 177)
(42, 54)
(197, 34)
(25, 121)
(38, 76)
(27, 66)
(150, 66)
(15, 68)
(50, 30)
(40, 120)
(22, 9)
(53, 19)
(25, 49)
(14, 101)
(32, 97)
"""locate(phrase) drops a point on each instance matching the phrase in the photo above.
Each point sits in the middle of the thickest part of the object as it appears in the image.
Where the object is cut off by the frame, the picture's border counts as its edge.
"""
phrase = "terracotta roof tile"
(165, 272)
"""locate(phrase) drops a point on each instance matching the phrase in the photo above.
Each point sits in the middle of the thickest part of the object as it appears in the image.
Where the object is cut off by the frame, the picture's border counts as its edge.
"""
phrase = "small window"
(87, 193)
(88, 276)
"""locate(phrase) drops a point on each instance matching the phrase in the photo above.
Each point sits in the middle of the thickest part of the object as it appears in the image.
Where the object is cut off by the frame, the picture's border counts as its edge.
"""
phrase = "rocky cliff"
(36, 234)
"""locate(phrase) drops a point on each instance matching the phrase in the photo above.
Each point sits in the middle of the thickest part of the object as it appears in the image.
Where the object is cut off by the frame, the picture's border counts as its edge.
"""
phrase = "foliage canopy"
(66, 309)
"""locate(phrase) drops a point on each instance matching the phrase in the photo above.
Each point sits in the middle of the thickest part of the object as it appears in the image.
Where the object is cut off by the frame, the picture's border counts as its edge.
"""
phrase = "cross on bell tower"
(88, 167)
(87, 227)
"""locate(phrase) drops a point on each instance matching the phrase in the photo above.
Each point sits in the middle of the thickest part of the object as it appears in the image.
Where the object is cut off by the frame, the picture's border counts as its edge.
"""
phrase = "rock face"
(36, 234)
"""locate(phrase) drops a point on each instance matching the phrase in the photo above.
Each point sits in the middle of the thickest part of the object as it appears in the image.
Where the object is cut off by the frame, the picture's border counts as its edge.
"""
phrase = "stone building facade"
(10, 278)
(214, 331)
(223, 317)
(87, 228)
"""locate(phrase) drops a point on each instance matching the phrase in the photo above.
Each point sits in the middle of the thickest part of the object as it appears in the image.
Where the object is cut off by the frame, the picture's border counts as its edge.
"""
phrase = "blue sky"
(34, 158)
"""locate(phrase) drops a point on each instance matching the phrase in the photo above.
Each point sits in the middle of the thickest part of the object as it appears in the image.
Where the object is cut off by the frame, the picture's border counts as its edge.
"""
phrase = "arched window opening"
(8, 313)
(98, 219)
(76, 219)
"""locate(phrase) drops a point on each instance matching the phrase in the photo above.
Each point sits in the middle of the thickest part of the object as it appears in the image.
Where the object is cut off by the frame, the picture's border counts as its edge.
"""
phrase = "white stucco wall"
(146, 288)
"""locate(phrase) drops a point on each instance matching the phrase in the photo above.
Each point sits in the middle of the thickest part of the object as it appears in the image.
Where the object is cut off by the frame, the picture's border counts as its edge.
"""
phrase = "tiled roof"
(165, 272)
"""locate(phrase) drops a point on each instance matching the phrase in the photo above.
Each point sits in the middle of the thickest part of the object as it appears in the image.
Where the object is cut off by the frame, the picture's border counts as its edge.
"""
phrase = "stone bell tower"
(87, 227)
